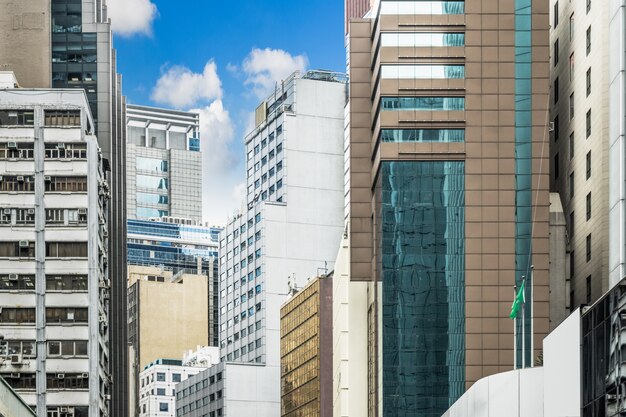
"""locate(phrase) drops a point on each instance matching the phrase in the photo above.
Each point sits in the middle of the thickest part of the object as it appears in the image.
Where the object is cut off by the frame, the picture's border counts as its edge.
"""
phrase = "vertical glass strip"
(523, 169)
(422, 244)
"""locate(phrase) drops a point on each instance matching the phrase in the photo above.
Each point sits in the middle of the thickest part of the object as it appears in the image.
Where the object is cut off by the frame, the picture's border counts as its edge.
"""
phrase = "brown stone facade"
(489, 153)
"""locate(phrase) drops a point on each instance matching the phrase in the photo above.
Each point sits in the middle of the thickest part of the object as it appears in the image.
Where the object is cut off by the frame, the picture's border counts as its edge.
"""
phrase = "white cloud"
(220, 178)
(180, 87)
(132, 17)
(265, 67)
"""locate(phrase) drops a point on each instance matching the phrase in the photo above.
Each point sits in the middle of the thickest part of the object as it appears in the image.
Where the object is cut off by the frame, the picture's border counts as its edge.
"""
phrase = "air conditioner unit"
(84, 375)
(107, 397)
(105, 233)
(12, 145)
(102, 319)
(61, 376)
(17, 359)
(47, 178)
(31, 211)
(20, 178)
(24, 243)
(6, 211)
(15, 375)
(61, 146)
(82, 211)
(106, 296)
(64, 409)
(101, 221)
(13, 277)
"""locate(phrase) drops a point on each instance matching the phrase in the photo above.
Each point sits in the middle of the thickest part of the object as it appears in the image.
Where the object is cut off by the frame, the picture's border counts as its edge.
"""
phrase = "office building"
(229, 389)
(159, 380)
(68, 44)
(163, 164)
(447, 199)
(355, 8)
(306, 353)
(293, 222)
(579, 147)
(54, 285)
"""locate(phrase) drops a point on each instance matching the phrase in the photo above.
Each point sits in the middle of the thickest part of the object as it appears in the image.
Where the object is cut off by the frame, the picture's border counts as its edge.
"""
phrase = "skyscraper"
(54, 286)
(164, 164)
(447, 196)
(68, 44)
(579, 150)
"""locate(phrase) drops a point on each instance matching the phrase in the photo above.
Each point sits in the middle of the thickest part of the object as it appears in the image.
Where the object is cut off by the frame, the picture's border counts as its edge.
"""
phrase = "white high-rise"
(54, 286)
(289, 232)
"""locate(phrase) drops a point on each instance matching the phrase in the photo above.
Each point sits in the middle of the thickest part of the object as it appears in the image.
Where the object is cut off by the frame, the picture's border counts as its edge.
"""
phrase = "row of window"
(266, 141)
(55, 348)
(51, 117)
(54, 217)
(53, 315)
(245, 331)
(26, 249)
(423, 7)
(71, 381)
(425, 71)
(198, 386)
(26, 183)
(53, 282)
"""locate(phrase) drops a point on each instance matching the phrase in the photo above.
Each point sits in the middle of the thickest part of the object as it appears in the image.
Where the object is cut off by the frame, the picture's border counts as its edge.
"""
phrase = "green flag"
(519, 300)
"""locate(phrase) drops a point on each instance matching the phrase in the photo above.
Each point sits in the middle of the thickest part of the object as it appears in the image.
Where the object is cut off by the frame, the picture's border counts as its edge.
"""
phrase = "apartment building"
(54, 285)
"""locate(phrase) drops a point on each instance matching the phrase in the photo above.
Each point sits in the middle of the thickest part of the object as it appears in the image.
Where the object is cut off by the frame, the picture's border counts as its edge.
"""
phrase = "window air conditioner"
(105, 233)
(24, 243)
(61, 146)
(102, 222)
(31, 211)
(47, 178)
(102, 318)
(20, 178)
(64, 409)
(15, 375)
(16, 359)
(12, 145)
(6, 211)
(61, 376)
(82, 211)
(13, 277)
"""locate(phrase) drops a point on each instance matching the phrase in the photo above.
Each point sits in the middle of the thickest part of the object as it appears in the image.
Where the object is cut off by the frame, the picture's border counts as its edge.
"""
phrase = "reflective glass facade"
(421, 71)
(421, 228)
(422, 103)
(422, 135)
(423, 39)
(422, 7)
(523, 168)
(175, 246)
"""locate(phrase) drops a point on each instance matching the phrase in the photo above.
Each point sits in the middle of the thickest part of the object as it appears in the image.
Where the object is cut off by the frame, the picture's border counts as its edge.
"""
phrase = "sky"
(221, 59)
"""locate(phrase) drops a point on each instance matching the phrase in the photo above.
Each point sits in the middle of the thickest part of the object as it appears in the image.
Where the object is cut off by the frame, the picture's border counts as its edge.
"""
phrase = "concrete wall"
(25, 40)
(559, 263)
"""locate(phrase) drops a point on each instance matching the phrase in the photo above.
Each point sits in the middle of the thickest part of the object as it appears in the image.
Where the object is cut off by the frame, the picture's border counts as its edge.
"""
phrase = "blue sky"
(221, 58)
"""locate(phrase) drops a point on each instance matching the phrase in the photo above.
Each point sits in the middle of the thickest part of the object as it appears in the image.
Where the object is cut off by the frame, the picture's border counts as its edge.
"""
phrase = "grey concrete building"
(54, 263)
(163, 164)
(68, 44)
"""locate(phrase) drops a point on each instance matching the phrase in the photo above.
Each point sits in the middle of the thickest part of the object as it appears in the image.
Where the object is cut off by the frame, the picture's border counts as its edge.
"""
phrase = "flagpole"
(514, 331)
(524, 325)
(532, 314)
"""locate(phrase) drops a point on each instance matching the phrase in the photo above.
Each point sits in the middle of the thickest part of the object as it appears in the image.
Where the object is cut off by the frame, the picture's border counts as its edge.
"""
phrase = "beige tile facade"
(488, 152)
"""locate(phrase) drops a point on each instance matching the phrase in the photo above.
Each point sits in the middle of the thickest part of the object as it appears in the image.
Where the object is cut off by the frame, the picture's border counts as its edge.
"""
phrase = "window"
(555, 13)
(571, 106)
(588, 5)
(572, 300)
(588, 247)
(555, 51)
(588, 165)
(589, 289)
(571, 27)
(9, 282)
(556, 128)
(588, 123)
(160, 391)
(66, 282)
(571, 224)
(571, 67)
(17, 118)
(67, 381)
(17, 150)
(421, 71)
(555, 91)
(66, 184)
(588, 204)
(17, 315)
(18, 347)
(588, 81)
(420, 104)
(66, 249)
(66, 315)
(279, 166)
(556, 166)
(163, 407)
(571, 146)
(17, 183)
(588, 40)
(62, 117)
(571, 185)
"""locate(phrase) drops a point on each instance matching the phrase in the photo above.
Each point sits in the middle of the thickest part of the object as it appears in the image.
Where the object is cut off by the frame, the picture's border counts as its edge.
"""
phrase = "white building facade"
(54, 287)
(294, 219)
